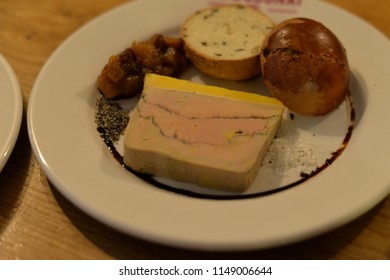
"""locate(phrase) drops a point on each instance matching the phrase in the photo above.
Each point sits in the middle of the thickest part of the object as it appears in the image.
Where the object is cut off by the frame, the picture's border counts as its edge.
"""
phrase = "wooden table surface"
(36, 222)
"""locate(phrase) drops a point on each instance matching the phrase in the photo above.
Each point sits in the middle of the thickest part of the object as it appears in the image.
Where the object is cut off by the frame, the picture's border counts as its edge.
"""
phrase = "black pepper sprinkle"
(111, 118)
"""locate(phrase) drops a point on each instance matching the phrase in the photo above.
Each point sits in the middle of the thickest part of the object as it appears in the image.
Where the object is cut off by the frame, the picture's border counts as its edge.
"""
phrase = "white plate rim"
(11, 113)
(220, 235)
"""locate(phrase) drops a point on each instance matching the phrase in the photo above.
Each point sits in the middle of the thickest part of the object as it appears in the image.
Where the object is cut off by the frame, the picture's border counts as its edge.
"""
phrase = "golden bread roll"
(305, 66)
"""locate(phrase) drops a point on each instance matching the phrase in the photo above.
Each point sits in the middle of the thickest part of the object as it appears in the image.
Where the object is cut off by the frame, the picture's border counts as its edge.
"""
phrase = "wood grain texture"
(36, 222)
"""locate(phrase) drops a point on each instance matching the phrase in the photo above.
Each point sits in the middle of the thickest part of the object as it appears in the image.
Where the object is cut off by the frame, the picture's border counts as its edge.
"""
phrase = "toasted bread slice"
(225, 41)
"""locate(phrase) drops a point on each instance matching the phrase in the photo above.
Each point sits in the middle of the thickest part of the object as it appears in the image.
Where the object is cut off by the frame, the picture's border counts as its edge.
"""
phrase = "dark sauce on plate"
(304, 176)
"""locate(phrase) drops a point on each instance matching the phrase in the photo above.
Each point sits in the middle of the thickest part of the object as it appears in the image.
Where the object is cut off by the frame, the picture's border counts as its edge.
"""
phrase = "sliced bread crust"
(225, 41)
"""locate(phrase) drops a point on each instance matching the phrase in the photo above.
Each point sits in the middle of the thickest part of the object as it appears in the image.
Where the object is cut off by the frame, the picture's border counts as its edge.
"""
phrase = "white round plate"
(11, 110)
(64, 137)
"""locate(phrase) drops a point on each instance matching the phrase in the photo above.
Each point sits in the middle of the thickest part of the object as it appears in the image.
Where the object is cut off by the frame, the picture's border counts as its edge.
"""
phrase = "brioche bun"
(305, 66)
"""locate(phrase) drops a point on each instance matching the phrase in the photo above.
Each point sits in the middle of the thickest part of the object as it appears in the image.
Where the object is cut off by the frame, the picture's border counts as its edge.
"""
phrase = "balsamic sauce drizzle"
(304, 176)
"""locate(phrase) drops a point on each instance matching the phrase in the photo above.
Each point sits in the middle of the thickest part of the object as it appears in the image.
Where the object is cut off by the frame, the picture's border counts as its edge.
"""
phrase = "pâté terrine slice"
(210, 136)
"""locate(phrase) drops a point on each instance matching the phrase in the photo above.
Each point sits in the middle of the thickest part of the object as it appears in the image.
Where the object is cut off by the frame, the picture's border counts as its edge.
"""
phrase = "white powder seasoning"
(289, 151)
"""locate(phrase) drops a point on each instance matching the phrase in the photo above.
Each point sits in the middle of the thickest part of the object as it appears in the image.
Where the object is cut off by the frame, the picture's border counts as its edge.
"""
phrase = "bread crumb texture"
(226, 32)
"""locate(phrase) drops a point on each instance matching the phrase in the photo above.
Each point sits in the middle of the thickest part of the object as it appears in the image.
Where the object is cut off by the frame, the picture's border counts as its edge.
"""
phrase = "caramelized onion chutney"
(124, 73)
